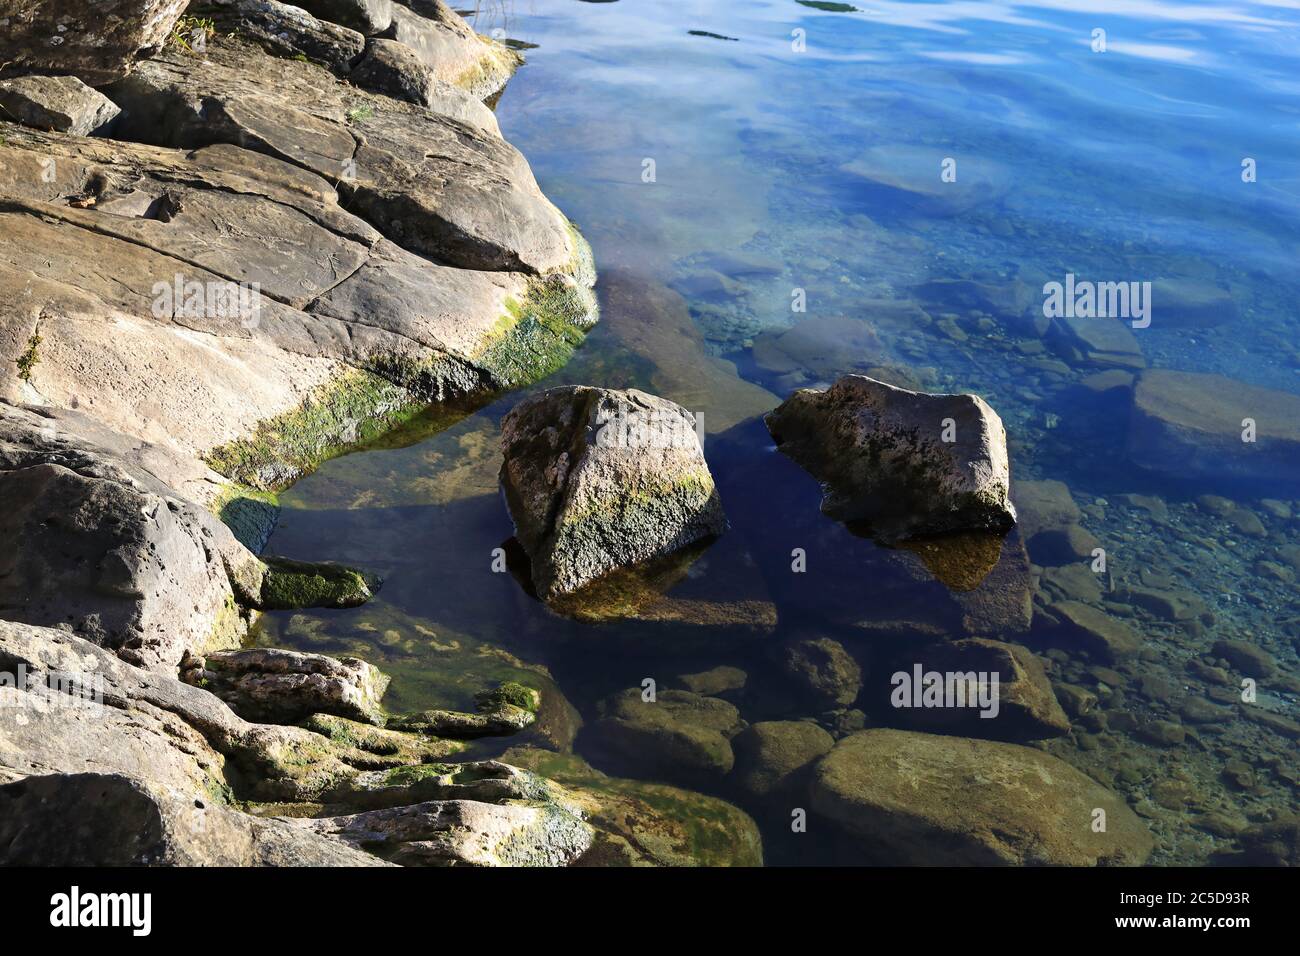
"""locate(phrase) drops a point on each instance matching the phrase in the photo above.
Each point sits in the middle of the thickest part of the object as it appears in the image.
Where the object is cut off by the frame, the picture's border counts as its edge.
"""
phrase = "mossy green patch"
(290, 585)
(27, 361)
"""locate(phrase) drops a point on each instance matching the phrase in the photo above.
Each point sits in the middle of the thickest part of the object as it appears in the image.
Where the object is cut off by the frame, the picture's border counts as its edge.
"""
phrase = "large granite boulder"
(370, 17)
(925, 799)
(896, 462)
(290, 31)
(597, 480)
(95, 40)
(60, 103)
(1208, 426)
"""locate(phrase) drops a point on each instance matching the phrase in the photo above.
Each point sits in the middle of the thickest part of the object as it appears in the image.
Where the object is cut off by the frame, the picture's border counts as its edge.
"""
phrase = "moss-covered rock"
(291, 585)
(648, 824)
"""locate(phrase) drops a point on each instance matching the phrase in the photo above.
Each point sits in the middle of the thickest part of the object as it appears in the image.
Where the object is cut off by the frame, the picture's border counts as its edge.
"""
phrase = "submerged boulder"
(676, 736)
(899, 463)
(1022, 707)
(772, 757)
(598, 480)
(924, 799)
(1208, 426)
(639, 823)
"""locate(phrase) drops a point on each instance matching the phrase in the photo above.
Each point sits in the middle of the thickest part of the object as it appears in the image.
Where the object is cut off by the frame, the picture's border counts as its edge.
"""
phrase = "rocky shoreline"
(241, 238)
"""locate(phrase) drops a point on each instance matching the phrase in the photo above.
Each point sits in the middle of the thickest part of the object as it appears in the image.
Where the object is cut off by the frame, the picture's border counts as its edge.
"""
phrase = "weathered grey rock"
(113, 552)
(291, 31)
(881, 457)
(1027, 708)
(771, 755)
(79, 708)
(98, 544)
(821, 670)
(95, 40)
(395, 70)
(277, 686)
(93, 819)
(370, 17)
(456, 53)
(61, 103)
(924, 799)
(598, 480)
(436, 180)
(176, 740)
(1189, 424)
(677, 736)
(639, 823)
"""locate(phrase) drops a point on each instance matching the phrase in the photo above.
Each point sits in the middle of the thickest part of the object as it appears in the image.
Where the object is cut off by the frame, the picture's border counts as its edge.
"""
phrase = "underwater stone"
(899, 463)
(1188, 424)
(925, 799)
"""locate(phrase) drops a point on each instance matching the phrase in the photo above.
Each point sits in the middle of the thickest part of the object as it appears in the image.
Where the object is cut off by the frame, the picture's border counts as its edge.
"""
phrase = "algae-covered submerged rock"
(899, 463)
(597, 480)
(923, 799)
(639, 823)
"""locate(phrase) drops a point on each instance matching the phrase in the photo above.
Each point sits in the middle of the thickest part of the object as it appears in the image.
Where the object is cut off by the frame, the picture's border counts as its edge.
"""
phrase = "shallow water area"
(767, 212)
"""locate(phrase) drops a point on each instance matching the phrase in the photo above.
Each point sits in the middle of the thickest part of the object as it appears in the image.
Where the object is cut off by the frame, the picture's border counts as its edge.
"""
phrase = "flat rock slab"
(599, 480)
(437, 180)
(924, 799)
(899, 463)
(1193, 425)
(340, 327)
(60, 103)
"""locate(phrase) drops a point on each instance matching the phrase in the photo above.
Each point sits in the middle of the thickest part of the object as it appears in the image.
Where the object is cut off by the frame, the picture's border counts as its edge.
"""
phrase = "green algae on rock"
(598, 480)
(648, 824)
